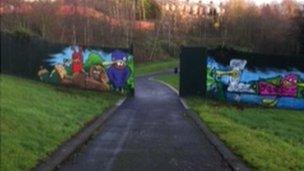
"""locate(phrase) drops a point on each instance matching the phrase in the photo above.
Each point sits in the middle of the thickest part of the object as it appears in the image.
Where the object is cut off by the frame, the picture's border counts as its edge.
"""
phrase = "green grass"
(171, 79)
(36, 118)
(155, 66)
(266, 139)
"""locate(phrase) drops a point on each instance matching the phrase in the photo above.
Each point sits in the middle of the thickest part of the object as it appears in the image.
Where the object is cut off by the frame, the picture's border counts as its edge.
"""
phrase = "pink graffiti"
(267, 89)
(287, 87)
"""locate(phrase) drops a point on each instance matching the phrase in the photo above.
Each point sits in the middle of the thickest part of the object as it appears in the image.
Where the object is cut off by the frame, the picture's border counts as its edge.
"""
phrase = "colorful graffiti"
(90, 69)
(269, 87)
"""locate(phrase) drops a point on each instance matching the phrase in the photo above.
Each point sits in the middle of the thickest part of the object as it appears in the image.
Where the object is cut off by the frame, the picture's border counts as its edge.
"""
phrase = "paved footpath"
(148, 132)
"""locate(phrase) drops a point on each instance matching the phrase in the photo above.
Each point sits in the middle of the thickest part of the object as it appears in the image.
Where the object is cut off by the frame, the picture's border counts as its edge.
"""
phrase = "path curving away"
(148, 132)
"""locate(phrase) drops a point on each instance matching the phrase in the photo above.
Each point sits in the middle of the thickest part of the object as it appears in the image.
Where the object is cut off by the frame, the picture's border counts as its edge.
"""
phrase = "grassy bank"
(171, 79)
(155, 66)
(36, 118)
(266, 139)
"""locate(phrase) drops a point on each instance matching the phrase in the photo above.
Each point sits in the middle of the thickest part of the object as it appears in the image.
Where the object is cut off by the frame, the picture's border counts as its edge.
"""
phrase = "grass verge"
(155, 66)
(265, 138)
(36, 118)
(171, 79)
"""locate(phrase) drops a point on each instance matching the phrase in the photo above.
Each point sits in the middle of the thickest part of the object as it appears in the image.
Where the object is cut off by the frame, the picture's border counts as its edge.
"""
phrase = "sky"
(258, 2)
(217, 2)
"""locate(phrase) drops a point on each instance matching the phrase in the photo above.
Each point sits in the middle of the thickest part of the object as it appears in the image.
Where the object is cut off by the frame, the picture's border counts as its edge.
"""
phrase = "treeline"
(157, 33)
(272, 28)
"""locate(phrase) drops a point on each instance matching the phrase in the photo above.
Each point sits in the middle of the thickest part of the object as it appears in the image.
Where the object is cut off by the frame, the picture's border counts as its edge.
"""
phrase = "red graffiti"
(77, 61)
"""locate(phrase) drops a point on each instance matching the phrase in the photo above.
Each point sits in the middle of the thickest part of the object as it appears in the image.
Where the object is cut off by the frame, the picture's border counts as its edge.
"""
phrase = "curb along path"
(149, 132)
(70, 146)
(233, 161)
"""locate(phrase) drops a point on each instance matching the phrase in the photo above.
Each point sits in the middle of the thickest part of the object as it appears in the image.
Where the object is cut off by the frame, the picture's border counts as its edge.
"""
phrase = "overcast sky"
(259, 2)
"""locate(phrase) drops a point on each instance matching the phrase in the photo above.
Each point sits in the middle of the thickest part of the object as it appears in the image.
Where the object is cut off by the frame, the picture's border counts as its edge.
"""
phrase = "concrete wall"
(271, 87)
(251, 78)
(93, 68)
(90, 68)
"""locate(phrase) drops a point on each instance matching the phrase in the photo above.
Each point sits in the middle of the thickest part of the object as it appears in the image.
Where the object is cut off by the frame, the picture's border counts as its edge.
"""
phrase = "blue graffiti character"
(118, 72)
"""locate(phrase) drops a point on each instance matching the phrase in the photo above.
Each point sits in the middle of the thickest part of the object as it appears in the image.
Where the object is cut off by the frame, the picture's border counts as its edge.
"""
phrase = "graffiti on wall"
(90, 69)
(269, 87)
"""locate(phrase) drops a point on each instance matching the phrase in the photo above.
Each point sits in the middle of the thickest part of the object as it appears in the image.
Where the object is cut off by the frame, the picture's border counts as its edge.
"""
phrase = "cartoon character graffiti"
(90, 69)
(287, 87)
(268, 87)
(77, 60)
(98, 78)
(98, 73)
(235, 84)
(118, 72)
(60, 69)
(43, 73)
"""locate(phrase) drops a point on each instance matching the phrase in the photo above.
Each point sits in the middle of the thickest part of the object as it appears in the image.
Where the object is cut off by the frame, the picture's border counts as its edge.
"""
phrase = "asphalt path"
(148, 132)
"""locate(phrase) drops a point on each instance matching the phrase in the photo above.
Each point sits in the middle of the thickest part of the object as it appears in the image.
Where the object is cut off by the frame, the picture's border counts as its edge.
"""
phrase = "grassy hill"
(265, 138)
(36, 118)
(155, 66)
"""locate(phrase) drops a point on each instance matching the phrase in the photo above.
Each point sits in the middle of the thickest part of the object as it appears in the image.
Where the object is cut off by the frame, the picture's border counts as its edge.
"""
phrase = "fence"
(246, 78)
(94, 68)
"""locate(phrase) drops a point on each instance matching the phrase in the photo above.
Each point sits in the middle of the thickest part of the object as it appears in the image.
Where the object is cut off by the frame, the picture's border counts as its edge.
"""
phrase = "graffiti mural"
(90, 69)
(268, 87)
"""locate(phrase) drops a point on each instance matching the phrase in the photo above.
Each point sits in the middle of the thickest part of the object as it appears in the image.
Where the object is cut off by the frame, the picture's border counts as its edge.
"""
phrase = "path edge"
(64, 151)
(233, 161)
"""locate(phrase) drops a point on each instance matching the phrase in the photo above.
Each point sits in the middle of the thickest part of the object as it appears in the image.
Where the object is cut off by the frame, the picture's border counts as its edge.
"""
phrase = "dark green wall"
(22, 55)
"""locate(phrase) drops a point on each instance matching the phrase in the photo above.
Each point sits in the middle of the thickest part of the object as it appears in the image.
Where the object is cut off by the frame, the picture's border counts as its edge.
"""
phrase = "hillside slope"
(36, 118)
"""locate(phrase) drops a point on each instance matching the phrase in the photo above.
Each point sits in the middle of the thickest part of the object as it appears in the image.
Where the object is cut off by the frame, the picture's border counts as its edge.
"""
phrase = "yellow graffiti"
(232, 73)
(301, 85)
(269, 102)
(61, 71)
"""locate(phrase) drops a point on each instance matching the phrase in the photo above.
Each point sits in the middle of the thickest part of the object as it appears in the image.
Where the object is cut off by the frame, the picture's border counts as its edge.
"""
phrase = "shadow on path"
(148, 132)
